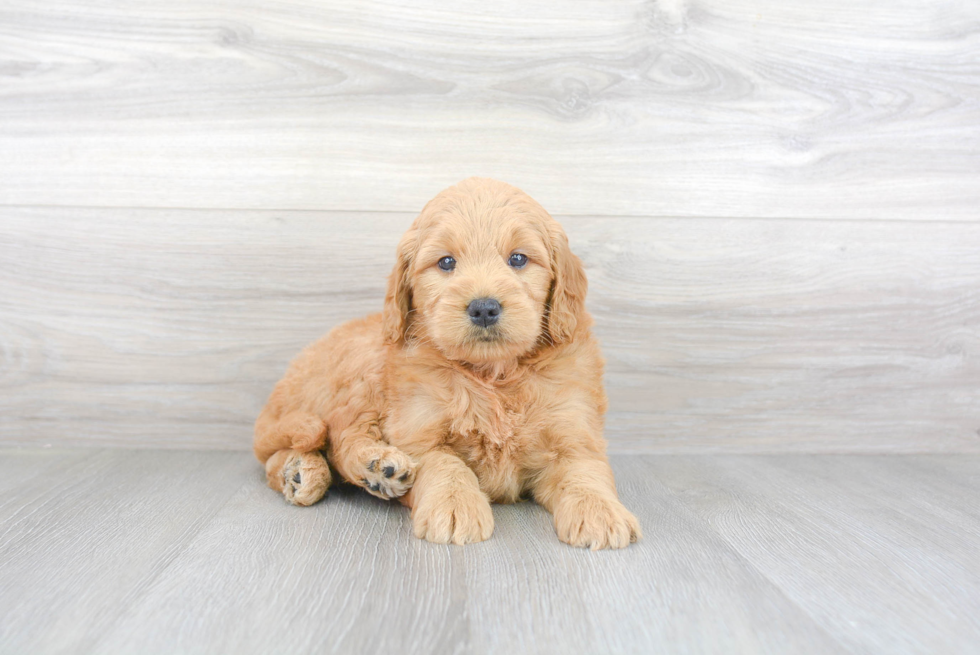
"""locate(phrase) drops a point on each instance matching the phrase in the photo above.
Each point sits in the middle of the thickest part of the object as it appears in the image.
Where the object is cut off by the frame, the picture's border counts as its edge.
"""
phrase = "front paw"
(460, 517)
(386, 472)
(592, 520)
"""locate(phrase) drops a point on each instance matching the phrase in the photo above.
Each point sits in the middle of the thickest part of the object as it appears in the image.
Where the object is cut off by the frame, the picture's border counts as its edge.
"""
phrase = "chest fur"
(489, 427)
(494, 427)
(490, 433)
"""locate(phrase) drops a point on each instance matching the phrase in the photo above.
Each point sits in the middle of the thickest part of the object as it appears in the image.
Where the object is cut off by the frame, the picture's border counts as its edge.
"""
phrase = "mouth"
(488, 336)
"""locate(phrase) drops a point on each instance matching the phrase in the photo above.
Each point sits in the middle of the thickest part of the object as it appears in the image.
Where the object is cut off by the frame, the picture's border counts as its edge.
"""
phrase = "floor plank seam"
(168, 561)
(679, 505)
(844, 648)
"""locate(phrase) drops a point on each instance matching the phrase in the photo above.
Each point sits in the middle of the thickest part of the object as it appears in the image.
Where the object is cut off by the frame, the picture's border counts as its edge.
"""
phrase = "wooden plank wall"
(777, 204)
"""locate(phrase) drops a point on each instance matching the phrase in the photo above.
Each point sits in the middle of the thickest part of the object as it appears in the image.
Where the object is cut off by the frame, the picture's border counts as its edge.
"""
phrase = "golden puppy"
(481, 381)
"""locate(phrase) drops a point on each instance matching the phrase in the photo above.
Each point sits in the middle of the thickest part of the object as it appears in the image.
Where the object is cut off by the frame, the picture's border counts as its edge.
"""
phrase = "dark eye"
(518, 260)
(447, 263)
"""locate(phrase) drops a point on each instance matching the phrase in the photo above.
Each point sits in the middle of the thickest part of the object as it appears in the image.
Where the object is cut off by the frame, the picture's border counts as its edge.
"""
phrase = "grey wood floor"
(126, 551)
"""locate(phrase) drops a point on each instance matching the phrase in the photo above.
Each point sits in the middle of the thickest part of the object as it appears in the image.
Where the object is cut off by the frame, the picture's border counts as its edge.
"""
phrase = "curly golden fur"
(425, 404)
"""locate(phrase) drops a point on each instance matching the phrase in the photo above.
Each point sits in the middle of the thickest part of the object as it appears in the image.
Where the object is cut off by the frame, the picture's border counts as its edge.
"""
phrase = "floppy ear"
(398, 298)
(566, 307)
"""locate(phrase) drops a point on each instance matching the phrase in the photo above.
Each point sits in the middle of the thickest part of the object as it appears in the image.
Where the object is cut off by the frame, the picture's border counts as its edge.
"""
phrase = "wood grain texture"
(681, 589)
(162, 552)
(369, 586)
(633, 107)
(345, 576)
(858, 548)
(168, 328)
(82, 539)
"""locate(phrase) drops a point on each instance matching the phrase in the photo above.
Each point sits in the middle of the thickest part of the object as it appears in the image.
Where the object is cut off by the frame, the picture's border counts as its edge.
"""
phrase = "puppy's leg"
(363, 459)
(447, 503)
(300, 431)
(302, 478)
(580, 492)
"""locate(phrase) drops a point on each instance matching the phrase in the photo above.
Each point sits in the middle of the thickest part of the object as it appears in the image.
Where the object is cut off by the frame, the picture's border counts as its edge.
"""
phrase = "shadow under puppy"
(481, 381)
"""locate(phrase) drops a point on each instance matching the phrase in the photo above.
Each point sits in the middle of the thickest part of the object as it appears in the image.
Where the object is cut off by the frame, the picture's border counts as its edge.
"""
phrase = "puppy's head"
(485, 275)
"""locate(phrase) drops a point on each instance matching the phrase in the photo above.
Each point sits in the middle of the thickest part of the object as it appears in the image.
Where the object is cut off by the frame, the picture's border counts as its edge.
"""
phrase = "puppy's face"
(480, 287)
(482, 276)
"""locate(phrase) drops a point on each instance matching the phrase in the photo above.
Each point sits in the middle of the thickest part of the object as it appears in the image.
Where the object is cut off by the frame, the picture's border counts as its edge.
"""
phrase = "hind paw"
(302, 478)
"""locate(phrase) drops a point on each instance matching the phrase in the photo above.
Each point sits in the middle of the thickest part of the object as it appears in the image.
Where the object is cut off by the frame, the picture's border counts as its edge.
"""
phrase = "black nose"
(484, 311)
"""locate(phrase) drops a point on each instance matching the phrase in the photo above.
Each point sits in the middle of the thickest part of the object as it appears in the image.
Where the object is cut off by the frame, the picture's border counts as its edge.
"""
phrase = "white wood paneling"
(666, 132)
(169, 327)
(742, 108)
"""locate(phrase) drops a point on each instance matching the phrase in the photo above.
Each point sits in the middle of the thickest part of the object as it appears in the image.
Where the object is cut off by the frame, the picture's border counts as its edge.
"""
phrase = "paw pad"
(305, 478)
(388, 472)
